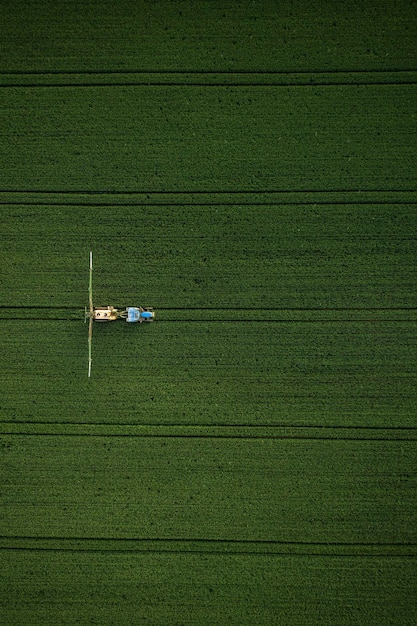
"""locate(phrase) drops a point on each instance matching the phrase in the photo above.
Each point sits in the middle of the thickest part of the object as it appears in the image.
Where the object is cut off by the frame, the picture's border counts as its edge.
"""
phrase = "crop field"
(248, 170)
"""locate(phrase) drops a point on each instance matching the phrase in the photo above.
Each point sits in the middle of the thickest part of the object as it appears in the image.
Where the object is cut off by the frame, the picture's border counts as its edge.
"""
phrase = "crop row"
(163, 138)
(215, 373)
(46, 587)
(181, 488)
(254, 257)
(176, 35)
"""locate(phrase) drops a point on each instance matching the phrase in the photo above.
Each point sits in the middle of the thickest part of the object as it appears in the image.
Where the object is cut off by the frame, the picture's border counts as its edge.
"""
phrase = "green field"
(247, 169)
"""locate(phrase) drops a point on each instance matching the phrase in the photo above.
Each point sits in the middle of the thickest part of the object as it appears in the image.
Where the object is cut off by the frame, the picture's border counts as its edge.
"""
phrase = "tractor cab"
(139, 314)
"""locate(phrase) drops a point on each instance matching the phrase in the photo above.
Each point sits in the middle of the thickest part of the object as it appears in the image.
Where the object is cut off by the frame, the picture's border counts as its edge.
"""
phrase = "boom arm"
(90, 326)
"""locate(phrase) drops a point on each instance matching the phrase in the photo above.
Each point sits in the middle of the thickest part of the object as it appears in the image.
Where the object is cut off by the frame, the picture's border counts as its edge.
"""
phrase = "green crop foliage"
(248, 170)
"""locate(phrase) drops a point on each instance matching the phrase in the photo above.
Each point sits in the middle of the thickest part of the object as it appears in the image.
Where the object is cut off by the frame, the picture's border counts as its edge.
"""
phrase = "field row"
(199, 138)
(203, 373)
(216, 256)
(244, 490)
(172, 36)
(49, 588)
(237, 315)
(312, 198)
(175, 546)
(201, 78)
(209, 431)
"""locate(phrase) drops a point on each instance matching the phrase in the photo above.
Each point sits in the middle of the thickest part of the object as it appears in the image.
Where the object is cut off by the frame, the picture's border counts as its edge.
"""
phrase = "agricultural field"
(250, 457)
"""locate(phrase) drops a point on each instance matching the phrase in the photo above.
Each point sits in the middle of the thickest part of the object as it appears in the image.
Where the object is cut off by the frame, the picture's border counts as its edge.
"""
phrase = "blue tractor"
(139, 314)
